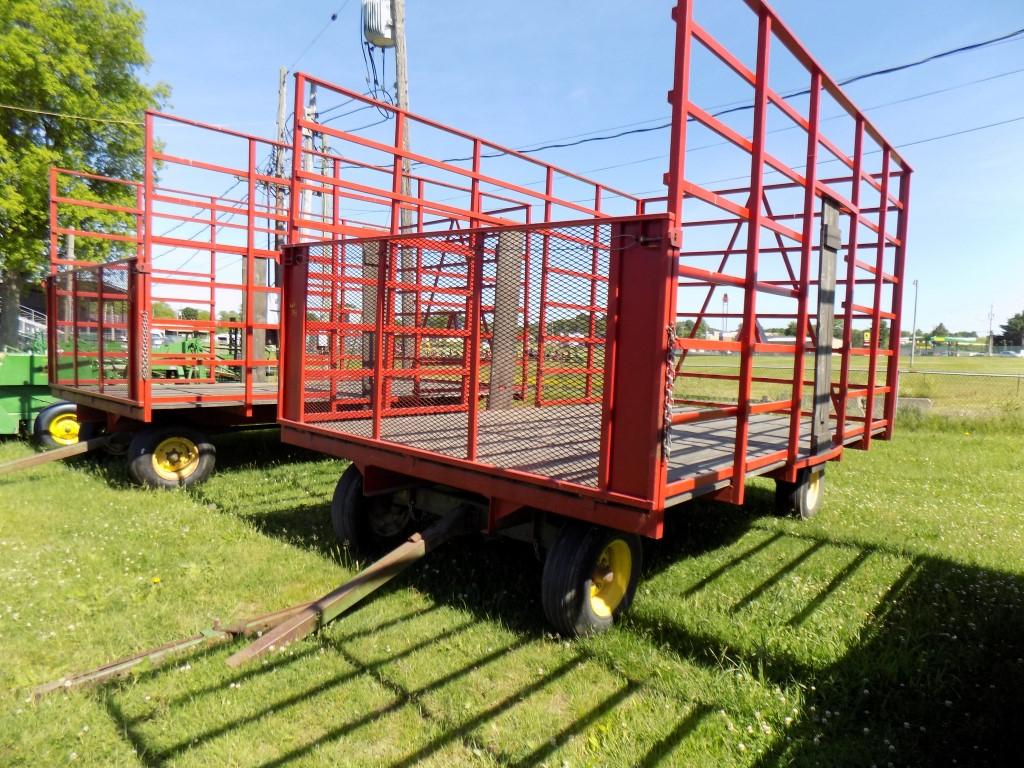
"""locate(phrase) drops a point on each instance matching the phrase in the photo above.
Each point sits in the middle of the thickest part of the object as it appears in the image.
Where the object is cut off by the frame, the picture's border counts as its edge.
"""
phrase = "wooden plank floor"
(562, 442)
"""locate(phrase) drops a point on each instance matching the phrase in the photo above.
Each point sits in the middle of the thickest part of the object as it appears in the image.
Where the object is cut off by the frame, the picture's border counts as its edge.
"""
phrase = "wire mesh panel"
(90, 339)
(483, 345)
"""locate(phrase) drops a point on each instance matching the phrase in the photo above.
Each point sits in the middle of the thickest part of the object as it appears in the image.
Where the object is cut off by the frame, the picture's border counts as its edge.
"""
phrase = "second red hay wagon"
(552, 379)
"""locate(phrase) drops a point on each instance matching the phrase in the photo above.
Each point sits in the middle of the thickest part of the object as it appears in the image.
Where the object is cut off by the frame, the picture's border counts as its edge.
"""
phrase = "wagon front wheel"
(368, 525)
(803, 498)
(170, 457)
(590, 578)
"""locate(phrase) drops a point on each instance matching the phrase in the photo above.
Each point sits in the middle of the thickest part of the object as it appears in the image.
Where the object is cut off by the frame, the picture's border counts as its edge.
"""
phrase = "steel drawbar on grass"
(277, 630)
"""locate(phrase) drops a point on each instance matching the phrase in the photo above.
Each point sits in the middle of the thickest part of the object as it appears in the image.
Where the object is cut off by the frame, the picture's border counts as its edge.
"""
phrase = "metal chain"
(670, 379)
(145, 345)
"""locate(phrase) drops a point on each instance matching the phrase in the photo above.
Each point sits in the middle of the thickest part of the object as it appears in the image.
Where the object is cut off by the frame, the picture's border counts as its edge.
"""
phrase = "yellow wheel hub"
(64, 429)
(175, 458)
(610, 577)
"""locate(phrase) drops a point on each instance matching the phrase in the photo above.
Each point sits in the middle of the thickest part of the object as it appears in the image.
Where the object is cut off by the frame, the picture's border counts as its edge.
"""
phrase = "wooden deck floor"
(562, 442)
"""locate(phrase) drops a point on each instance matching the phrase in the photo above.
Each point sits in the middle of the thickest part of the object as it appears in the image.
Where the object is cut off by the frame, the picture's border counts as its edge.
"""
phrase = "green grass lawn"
(887, 631)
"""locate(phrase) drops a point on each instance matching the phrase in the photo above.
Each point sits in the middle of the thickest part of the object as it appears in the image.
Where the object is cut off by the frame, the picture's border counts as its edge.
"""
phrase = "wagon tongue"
(334, 603)
(284, 626)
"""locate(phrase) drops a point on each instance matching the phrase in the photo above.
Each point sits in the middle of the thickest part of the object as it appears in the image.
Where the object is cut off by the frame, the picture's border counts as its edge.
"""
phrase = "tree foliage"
(1013, 330)
(684, 329)
(73, 57)
(163, 310)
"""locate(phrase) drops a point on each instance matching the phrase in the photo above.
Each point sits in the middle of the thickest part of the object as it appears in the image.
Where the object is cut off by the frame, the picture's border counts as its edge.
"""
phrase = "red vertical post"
(469, 357)
(291, 403)
(679, 98)
(764, 33)
(807, 232)
(642, 283)
(851, 277)
(250, 280)
(139, 338)
(299, 121)
(51, 328)
(335, 338)
(384, 259)
(876, 304)
(54, 216)
(476, 284)
(595, 253)
(140, 219)
(101, 342)
(549, 186)
(74, 326)
(397, 173)
(893, 373)
(420, 283)
(210, 357)
(525, 371)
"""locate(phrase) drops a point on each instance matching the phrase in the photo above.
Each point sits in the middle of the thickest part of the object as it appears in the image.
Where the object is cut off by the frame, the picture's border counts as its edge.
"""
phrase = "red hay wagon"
(570, 378)
(164, 294)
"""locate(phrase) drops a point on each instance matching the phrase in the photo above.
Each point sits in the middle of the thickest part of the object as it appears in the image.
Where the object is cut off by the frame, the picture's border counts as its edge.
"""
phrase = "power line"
(802, 92)
(957, 133)
(71, 117)
(334, 17)
(914, 143)
(903, 100)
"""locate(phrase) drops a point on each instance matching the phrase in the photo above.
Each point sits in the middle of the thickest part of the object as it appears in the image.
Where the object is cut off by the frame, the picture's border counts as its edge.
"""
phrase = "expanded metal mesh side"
(91, 333)
(482, 345)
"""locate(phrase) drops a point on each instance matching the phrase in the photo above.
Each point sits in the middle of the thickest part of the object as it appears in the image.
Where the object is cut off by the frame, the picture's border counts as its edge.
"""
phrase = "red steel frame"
(651, 272)
(230, 226)
(159, 210)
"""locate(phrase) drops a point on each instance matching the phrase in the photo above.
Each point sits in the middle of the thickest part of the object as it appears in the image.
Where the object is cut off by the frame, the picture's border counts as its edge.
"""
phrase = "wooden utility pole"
(402, 88)
(279, 190)
(405, 218)
(262, 267)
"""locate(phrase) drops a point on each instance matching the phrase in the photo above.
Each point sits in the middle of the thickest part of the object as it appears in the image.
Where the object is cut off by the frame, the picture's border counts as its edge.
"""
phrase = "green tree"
(188, 313)
(939, 330)
(685, 328)
(72, 57)
(1013, 330)
(162, 309)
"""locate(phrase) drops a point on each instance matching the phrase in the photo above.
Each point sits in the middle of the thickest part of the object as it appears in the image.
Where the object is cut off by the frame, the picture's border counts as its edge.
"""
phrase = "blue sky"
(531, 71)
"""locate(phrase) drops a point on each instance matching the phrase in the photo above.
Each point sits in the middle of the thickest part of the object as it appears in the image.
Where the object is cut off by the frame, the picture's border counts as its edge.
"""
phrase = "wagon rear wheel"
(368, 525)
(170, 457)
(590, 578)
(805, 497)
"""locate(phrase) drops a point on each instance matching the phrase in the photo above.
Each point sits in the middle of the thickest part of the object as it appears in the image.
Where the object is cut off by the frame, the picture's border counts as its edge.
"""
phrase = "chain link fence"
(977, 387)
(962, 393)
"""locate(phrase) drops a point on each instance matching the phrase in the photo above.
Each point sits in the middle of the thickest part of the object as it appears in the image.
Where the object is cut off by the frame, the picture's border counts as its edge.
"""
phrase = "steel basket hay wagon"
(164, 295)
(139, 337)
(574, 381)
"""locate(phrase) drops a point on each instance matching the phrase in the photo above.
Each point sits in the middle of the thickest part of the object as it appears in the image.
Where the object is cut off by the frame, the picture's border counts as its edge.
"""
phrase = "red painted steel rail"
(644, 343)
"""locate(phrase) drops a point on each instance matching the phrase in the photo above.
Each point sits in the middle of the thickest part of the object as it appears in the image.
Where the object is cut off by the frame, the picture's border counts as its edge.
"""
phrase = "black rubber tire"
(567, 578)
(41, 428)
(805, 497)
(366, 525)
(145, 442)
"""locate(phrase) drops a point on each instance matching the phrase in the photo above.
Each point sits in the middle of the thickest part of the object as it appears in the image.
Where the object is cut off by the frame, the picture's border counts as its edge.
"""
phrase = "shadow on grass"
(933, 677)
